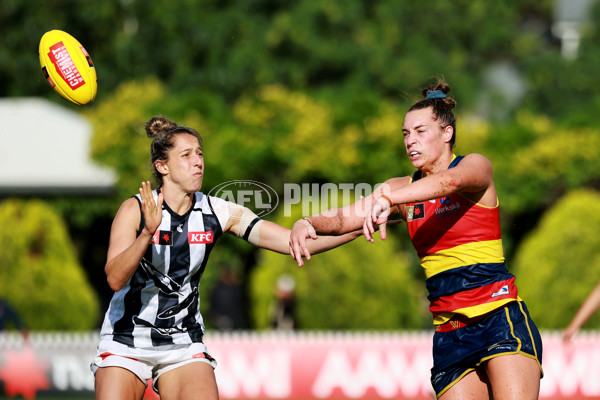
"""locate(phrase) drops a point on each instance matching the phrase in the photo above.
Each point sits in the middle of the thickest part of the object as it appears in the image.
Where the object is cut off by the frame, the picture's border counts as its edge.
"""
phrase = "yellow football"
(68, 67)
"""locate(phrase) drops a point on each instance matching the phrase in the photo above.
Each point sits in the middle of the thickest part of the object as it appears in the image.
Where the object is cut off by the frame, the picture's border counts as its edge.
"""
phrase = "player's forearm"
(430, 187)
(339, 221)
(120, 268)
(325, 242)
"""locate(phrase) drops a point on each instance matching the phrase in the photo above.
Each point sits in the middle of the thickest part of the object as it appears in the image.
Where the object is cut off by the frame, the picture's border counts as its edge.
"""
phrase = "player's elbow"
(454, 183)
(338, 224)
(114, 282)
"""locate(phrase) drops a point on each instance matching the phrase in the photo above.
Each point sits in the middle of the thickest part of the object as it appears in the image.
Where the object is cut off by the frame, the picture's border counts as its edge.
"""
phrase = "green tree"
(557, 265)
(39, 271)
(383, 46)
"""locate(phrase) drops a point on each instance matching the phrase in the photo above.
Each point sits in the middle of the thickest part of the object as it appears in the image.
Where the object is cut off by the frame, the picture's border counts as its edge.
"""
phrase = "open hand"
(378, 215)
(301, 230)
(151, 209)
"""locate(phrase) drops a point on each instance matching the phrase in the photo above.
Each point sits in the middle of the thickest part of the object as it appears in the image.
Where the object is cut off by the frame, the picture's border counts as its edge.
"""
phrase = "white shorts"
(149, 363)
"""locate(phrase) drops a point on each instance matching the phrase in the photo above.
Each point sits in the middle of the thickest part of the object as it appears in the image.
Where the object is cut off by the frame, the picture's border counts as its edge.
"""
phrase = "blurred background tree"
(315, 92)
(558, 264)
(40, 273)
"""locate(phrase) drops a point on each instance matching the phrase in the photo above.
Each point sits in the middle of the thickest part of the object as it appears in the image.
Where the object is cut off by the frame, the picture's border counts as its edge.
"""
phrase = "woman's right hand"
(301, 230)
(151, 209)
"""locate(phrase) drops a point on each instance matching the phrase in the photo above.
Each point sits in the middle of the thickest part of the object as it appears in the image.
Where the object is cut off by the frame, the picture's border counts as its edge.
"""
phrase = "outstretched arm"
(271, 236)
(338, 221)
(275, 237)
(586, 310)
(473, 177)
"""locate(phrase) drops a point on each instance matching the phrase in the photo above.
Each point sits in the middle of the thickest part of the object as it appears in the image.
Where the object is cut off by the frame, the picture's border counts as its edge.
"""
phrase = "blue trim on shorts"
(508, 330)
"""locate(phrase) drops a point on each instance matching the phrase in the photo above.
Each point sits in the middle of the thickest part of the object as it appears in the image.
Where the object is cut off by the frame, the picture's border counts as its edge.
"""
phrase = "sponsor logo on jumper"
(65, 66)
(162, 237)
(200, 237)
(448, 209)
(503, 290)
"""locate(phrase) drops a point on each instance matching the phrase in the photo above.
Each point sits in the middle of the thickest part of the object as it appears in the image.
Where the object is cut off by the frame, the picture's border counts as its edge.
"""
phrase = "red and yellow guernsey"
(460, 247)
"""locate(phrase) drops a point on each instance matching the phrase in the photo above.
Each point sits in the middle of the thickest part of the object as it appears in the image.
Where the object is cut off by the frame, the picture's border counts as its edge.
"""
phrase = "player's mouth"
(413, 154)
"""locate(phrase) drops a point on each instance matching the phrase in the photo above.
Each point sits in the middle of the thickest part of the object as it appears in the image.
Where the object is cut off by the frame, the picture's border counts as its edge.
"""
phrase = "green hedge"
(558, 264)
(39, 271)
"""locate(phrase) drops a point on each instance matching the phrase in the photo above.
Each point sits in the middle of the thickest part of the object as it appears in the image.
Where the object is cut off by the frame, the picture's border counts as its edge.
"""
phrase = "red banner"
(293, 365)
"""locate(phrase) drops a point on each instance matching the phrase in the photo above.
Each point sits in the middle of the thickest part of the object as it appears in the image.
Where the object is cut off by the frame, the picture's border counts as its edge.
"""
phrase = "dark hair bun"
(159, 125)
(444, 87)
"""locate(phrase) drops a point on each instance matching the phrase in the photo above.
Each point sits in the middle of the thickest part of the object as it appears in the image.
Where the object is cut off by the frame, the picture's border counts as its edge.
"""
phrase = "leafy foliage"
(315, 92)
(40, 274)
(557, 265)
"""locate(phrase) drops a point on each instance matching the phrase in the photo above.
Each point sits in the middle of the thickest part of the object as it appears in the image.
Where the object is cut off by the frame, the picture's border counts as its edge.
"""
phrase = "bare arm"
(586, 310)
(271, 236)
(125, 250)
(337, 221)
(275, 237)
(473, 177)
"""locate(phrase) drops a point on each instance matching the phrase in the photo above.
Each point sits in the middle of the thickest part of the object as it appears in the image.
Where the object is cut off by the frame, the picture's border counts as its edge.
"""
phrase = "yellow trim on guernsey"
(489, 251)
(471, 312)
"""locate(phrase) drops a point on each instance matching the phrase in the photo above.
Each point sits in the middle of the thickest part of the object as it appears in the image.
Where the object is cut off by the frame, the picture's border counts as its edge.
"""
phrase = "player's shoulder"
(476, 160)
(131, 203)
(217, 203)
(129, 212)
(475, 157)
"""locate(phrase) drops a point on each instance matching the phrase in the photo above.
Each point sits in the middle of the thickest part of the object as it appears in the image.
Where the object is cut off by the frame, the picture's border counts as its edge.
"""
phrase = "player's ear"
(161, 167)
(448, 133)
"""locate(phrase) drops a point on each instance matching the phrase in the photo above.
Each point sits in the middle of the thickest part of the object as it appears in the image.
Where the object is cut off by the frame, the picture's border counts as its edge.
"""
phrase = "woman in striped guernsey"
(159, 244)
(485, 344)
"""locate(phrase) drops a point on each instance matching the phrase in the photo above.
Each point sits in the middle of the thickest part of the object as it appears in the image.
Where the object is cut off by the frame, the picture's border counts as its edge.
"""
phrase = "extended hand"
(301, 230)
(378, 215)
(151, 210)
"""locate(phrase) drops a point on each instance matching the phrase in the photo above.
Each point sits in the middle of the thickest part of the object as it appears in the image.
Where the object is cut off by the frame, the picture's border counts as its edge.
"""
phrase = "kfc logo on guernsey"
(165, 238)
(65, 66)
(200, 237)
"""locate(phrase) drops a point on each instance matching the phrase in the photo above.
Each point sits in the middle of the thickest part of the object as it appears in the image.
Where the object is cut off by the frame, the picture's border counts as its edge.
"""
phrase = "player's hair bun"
(443, 87)
(159, 125)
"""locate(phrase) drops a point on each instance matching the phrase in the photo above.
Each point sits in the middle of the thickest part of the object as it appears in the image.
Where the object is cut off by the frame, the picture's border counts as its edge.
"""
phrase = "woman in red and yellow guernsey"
(485, 344)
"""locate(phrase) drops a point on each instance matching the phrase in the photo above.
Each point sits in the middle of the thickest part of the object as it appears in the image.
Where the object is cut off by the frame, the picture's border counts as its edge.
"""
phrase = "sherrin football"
(68, 67)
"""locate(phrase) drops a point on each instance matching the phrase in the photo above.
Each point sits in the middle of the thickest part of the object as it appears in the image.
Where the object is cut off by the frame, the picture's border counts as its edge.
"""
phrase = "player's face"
(424, 139)
(186, 163)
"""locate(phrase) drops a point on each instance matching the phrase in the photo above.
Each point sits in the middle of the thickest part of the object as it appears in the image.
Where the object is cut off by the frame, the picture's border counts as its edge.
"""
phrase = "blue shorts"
(508, 330)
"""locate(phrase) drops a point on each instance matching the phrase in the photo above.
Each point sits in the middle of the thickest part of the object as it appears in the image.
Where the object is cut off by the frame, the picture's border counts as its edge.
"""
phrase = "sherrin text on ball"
(68, 67)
